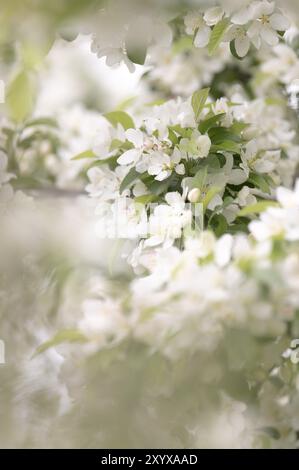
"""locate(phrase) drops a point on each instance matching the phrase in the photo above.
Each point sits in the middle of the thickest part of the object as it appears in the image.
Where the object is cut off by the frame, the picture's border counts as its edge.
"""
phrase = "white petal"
(256, 41)
(279, 22)
(154, 169)
(173, 198)
(204, 145)
(269, 36)
(176, 155)
(135, 137)
(237, 177)
(231, 33)
(242, 45)
(223, 250)
(242, 17)
(202, 37)
(254, 29)
(286, 197)
(162, 175)
(180, 169)
(216, 201)
(213, 15)
(260, 8)
(129, 156)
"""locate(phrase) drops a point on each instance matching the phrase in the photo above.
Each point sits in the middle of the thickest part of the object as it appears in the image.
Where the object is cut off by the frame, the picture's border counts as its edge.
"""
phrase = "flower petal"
(202, 37)
(242, 45)
(241, 17)
(129, 156)
(162, 175)
(269, 35)
(180, 169)
(135, 137)
(279, 22)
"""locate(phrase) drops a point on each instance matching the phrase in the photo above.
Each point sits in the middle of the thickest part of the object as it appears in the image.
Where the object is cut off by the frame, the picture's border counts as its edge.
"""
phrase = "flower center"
(265, 19)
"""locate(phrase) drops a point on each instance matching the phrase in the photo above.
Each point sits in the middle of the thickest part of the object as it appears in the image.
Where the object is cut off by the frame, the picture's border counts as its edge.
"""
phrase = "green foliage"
(64, 336)
(257, 208)
(207, 123)
(120, 117)
(217, 34)
(129, 179)
(21, 95)
(198, 101)
(84, 155)
(261, 182)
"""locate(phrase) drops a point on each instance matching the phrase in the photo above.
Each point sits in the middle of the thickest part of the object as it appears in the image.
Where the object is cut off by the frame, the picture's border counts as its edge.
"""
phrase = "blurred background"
(74, 395)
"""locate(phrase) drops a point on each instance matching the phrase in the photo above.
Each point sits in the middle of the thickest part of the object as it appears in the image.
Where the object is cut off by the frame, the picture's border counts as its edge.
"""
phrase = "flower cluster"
(123, 37)
(192, 319)
(40, 151)
(219, 156)
(6, 191)
(260, 22)
(234, 294)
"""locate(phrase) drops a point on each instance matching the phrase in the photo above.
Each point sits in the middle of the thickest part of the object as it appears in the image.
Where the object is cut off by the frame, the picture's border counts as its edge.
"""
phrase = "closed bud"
(194, 195)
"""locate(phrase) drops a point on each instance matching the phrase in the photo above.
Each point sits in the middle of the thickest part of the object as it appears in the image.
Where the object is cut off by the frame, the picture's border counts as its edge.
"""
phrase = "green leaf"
(20, 96)
(183, 44)
(129, 179)
(228, 146)
(209, 196)
(257, 208)
(105, 161)
(136, 45)
(137, 54)
(172, 136)
(43, 121)
(205, 125)
(270, 431)
(221, 134)
(217, 35)
(260, 182)
(126, 103)
(83, 155)
(145, 198)
(200, 177)
(157, 102)
(64, 336)
(198, 101)
(120, 117)
(238, 127)
(218, 224)
(159, 187)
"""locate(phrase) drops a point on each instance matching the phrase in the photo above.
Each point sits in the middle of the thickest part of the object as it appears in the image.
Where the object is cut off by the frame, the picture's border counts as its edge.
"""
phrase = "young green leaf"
(257, 208)
(120, 117)
(227, 145)
(64, 336)
(198, 101)
(20, 96)
(260, 182)
(205, 125)
(217, 35)
(200, 177)
(43, 121)
(209, 196)
(145, 198)
(83, 155)
(129, 180)
(221, 134)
